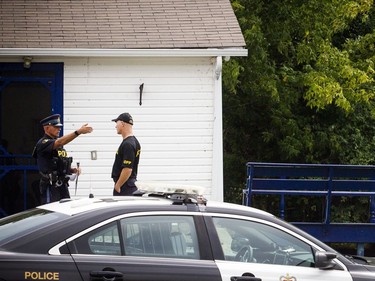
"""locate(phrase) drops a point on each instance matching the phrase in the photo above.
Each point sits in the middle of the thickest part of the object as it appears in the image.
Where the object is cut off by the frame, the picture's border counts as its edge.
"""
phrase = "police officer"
(53, 161)
(125, 166)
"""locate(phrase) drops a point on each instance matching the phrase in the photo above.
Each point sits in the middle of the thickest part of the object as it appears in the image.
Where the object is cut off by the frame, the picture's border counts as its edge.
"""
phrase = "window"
(248, 241)
(156, 236)
(101, 241)
(26, 222)
(161, 236)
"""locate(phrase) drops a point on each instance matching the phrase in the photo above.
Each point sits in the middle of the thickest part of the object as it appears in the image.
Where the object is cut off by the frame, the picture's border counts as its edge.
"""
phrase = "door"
(26, 96)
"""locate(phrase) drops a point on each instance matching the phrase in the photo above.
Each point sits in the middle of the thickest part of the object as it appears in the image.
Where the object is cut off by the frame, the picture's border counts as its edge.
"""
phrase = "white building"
(91, 60)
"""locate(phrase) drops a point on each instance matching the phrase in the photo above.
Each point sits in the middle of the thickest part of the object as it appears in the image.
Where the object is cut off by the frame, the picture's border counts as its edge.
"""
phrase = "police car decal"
(288, 278)
(38, 275)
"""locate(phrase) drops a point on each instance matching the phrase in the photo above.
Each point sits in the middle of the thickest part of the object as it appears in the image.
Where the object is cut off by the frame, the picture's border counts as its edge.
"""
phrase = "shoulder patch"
(45, 140)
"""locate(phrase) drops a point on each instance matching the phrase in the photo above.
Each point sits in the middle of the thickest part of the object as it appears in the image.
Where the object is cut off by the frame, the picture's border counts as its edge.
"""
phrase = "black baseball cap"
(125, 117)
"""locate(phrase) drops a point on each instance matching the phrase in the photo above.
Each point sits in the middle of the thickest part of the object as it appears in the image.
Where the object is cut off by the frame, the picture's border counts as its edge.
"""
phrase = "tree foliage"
(305, 92)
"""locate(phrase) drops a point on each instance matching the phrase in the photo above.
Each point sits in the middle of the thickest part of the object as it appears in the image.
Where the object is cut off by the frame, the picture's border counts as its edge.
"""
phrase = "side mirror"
(324, 260)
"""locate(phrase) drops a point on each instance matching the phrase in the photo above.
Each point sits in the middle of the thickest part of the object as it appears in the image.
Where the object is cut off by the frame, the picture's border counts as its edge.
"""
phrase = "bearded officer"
(53, 162)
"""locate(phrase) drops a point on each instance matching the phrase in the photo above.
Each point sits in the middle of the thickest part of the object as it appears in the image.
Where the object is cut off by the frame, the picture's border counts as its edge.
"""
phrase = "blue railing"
(17, 162)
(284, 179)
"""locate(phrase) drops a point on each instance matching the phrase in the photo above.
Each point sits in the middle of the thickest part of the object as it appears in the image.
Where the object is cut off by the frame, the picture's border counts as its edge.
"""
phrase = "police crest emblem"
(288, 278)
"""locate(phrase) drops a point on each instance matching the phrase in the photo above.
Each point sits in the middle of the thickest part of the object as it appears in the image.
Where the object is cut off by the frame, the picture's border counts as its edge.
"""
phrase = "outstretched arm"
(85, 129)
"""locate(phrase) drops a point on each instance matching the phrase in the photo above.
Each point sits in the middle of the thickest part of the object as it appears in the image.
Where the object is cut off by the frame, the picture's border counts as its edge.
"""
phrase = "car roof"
(80, 205)
(153, 196)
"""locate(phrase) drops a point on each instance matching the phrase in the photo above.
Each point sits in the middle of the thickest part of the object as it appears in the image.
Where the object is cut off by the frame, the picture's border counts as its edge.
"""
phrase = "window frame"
(200, 229)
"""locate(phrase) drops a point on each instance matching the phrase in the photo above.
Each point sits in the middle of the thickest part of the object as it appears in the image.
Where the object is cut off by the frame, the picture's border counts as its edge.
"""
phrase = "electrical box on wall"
(94, 155)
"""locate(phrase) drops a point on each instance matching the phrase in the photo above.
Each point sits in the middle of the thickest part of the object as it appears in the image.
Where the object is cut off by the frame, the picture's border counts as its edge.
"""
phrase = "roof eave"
(62, 52)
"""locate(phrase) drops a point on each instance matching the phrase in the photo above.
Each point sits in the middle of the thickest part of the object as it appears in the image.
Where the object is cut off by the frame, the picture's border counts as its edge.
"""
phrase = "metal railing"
(17, 162)
(327, 181)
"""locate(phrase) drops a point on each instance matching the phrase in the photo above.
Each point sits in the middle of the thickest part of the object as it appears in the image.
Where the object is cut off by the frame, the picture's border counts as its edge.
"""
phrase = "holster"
(53, 179)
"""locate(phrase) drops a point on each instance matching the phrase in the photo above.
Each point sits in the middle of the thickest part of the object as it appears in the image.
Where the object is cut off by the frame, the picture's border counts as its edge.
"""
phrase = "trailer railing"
(324, 180)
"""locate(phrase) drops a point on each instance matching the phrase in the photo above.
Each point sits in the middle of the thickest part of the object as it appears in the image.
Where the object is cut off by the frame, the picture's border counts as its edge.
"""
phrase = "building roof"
(118, 24)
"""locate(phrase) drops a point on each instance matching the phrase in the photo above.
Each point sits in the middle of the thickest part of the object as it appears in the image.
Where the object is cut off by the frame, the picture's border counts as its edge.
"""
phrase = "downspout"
(217, 158)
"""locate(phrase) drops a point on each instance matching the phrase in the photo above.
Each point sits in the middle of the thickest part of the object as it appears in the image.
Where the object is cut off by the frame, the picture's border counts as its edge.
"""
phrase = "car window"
(248, 241)
(156, 236)
(101, 241)
(162, 236)
(26, 222)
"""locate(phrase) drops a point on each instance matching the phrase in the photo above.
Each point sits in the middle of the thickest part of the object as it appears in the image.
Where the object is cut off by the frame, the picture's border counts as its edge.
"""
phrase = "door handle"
(105, 275)
(245, 277)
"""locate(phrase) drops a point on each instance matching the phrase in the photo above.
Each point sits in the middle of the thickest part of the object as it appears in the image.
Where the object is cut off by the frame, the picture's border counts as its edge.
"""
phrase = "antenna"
(91, 195)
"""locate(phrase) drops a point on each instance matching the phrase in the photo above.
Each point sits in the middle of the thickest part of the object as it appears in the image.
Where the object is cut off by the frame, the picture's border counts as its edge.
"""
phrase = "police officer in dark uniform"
(125, 166)
(53, 161)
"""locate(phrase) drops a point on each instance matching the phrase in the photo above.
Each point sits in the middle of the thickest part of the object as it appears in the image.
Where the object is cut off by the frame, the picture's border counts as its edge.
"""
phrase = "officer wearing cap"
(53, 161)
(125, 166)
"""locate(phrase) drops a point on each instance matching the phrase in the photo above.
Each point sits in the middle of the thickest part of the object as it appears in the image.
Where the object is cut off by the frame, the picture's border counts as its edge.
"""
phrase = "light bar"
(170, 188)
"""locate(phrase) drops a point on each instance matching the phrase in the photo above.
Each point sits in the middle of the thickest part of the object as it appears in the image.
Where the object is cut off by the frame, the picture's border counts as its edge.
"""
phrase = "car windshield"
(25, 222)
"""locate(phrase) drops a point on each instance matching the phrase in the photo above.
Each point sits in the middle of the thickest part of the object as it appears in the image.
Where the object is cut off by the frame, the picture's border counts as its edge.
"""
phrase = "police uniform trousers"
(52, 193)
(127, 189)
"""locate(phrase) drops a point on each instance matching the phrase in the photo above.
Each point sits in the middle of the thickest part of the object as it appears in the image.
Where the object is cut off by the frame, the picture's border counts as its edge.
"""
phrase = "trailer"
(324, 180)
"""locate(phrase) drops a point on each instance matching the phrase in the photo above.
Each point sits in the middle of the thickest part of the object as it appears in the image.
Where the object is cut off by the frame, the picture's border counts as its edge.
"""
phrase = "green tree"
(305, 92)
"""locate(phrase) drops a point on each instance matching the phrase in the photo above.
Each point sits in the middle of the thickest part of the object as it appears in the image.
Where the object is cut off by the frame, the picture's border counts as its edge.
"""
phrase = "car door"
(143, 247)
(254, 247)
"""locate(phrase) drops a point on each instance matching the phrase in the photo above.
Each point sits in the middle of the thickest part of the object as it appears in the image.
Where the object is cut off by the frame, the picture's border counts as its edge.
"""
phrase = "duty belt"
(53, 179)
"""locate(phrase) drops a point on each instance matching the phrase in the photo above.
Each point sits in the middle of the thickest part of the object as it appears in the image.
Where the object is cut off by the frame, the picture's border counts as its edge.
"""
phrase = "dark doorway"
(26, 96)
(23, 104)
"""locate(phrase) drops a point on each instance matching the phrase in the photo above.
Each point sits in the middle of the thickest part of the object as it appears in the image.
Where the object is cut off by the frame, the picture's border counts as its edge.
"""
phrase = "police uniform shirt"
(127, 156)
(44, 152)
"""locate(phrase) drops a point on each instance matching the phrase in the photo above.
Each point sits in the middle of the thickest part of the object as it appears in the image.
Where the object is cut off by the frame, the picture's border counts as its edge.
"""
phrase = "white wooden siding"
(174, 124)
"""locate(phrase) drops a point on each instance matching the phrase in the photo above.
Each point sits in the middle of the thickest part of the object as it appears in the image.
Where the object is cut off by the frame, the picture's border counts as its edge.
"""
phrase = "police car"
(173, 234)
